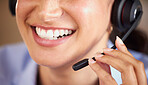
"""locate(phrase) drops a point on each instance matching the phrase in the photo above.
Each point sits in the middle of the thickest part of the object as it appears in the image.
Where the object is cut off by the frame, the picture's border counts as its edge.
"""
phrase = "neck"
(66, 76)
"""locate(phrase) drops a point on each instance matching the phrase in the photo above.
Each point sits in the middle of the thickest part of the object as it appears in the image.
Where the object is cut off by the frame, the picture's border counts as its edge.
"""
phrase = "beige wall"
(8, 29)
(10, 34)
(144, 22)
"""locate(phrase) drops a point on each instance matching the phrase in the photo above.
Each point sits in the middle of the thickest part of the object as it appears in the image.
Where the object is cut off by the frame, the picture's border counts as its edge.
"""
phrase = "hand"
(132, 70)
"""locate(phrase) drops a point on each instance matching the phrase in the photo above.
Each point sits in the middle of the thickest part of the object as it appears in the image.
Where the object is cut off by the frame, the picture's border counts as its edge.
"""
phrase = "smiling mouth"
(52, 33)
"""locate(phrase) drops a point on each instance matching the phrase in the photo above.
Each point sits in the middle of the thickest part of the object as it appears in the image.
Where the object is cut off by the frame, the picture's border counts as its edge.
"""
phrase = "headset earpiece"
(124, 13)
(12, 4)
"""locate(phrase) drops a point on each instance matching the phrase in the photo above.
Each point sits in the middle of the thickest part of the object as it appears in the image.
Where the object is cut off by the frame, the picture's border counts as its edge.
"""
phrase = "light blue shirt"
(17, 67)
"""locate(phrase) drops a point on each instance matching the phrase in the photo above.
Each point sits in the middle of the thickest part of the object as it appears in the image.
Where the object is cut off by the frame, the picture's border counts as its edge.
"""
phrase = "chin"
(51, 59)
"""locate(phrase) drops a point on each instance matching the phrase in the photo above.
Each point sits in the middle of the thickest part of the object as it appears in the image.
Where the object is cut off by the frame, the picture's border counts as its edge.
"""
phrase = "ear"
(110, 29)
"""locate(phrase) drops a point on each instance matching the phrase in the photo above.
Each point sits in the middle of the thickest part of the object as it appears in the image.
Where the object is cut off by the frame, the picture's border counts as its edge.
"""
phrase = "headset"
(125, 16)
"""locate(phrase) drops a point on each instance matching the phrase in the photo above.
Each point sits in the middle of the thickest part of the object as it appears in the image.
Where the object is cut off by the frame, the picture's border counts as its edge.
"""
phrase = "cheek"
(23, 11)
(92, 20)
(24, 8)
(89, 15)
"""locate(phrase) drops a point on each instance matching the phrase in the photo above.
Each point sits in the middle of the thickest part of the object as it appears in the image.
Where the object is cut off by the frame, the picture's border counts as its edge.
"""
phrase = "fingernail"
(91, 61)
(119, 40)
(98, 56)
(107, 50)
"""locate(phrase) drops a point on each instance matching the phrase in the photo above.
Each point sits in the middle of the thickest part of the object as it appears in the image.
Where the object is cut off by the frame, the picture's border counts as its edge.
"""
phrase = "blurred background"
(9, 32)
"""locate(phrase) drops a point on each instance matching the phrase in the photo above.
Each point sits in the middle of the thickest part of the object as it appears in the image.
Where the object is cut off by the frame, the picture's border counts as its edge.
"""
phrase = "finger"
(121, 46)
(126, 69)
(104, 76)
(121, 55)
(138, 65)
(106, 67)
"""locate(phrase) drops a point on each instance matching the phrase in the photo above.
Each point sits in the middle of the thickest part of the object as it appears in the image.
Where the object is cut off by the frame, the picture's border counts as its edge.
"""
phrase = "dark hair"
(137, 40)
(12, 4)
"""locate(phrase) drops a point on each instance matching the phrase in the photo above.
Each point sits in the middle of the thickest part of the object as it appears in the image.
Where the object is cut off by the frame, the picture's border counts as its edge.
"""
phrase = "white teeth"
(61, 32)
(55, 38)
(70, 31)
(43, 34)
(52, 34)
(38, 30)
(66, 32)
(56, 33)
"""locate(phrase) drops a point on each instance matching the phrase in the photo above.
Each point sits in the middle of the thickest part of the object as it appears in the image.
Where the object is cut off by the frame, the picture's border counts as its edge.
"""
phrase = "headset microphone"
(137, 14)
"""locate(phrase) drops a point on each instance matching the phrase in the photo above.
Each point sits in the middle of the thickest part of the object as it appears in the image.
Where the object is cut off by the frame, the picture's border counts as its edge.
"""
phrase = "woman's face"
(57, 32)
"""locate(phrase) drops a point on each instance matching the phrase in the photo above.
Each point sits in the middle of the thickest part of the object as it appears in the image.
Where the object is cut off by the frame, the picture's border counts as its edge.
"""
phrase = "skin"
(91, 20)
(132, 70)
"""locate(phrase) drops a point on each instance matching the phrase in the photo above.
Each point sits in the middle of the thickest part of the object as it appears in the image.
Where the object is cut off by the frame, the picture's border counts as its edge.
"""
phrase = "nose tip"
(50, 14)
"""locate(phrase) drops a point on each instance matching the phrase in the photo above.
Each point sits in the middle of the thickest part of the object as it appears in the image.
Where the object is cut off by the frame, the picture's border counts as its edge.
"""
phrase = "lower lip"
(49, 43)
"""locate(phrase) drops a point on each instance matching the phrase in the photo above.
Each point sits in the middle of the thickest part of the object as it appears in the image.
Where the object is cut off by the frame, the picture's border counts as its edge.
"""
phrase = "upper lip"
(53, 27)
